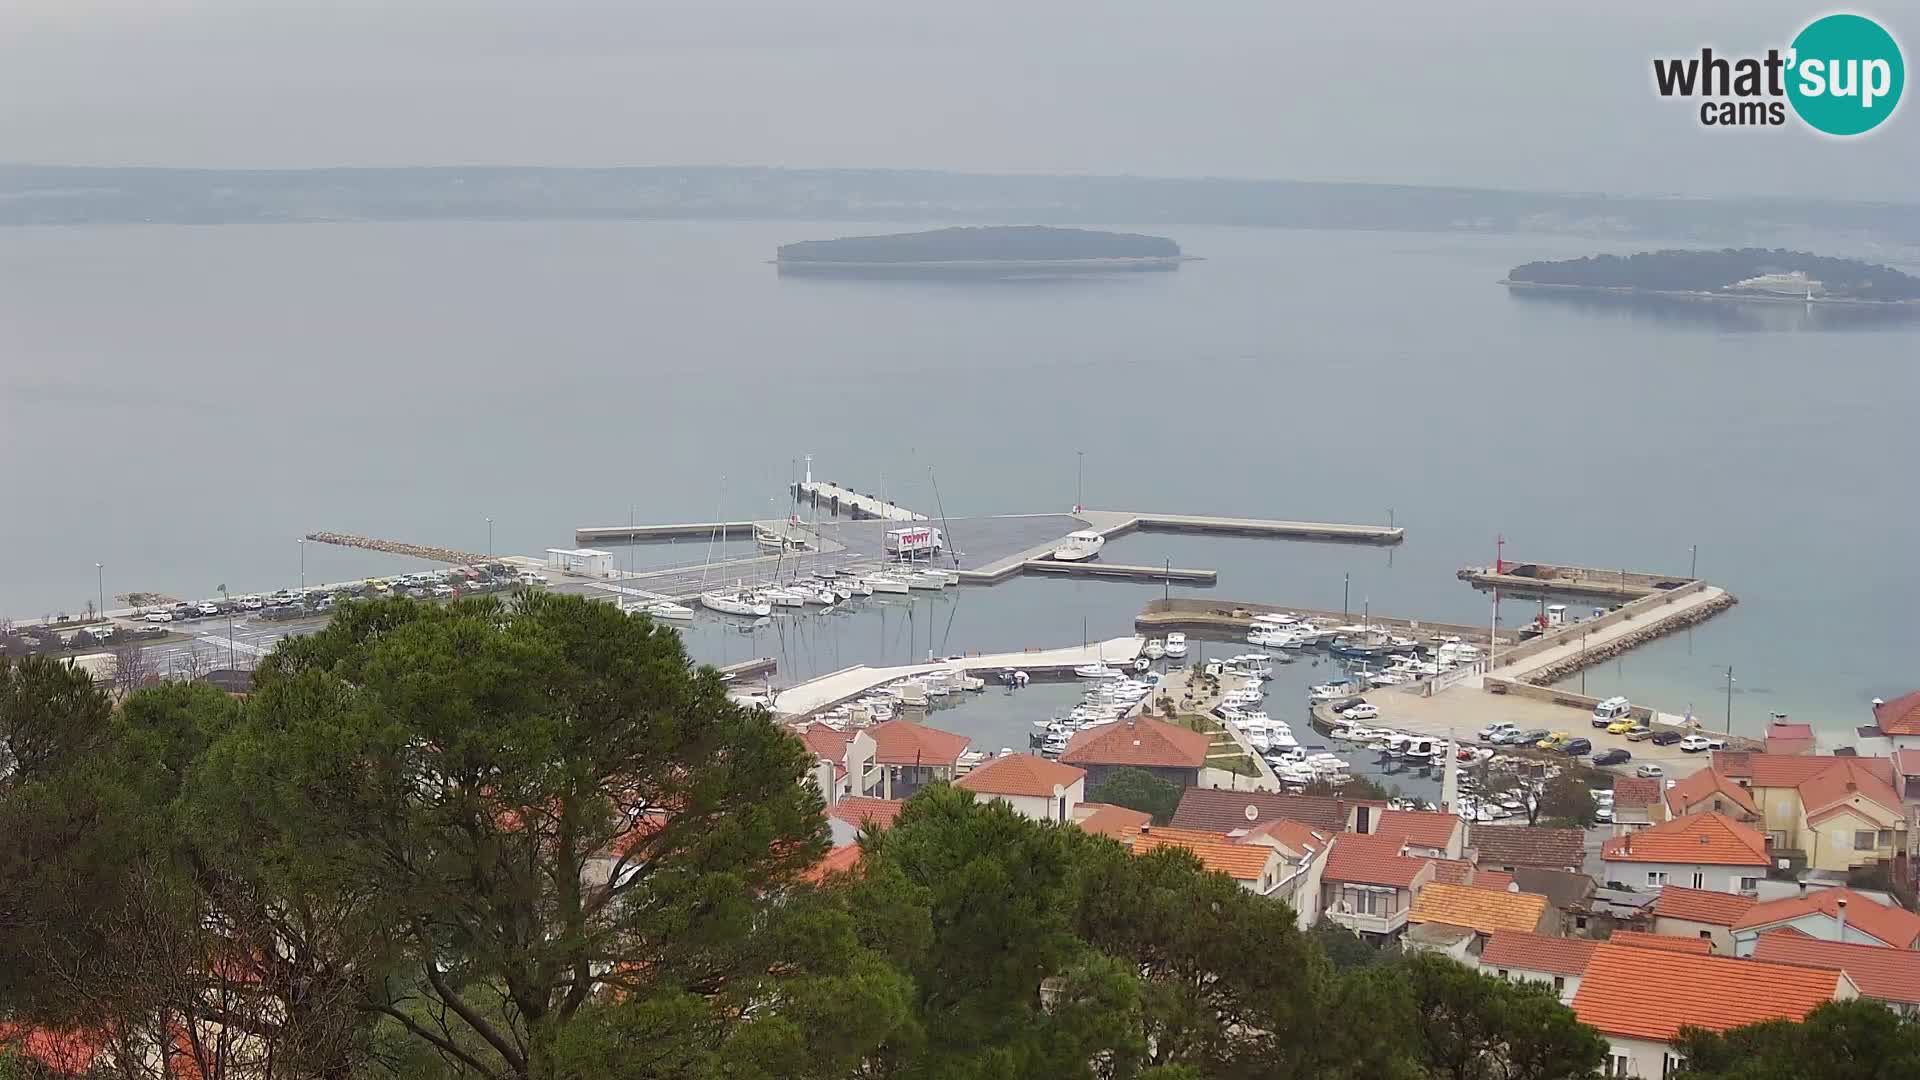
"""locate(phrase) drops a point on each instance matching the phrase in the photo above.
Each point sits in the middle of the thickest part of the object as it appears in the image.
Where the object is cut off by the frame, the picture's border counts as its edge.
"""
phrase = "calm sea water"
(180, 404)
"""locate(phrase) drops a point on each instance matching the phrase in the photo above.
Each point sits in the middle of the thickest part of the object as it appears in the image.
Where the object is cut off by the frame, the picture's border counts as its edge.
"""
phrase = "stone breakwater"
(428, 552)
(1560, 669)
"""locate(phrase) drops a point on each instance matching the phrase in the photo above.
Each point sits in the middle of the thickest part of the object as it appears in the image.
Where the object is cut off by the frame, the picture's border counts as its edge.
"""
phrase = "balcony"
(1361, 923)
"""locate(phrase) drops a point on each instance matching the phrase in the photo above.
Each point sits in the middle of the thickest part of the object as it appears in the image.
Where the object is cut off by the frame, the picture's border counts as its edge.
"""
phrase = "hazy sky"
(1508, 93)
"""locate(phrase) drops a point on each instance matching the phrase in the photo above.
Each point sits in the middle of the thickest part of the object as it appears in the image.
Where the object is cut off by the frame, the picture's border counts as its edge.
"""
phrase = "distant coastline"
(1748, 275)
(993, 250)
(1685, 294)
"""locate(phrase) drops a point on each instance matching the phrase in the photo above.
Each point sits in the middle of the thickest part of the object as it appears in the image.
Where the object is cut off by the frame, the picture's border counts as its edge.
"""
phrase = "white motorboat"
(736, 602)
(1079, 546)
(783, 597)
(1176, 645)
(812, 593)
(1332, 691)
(775, 540)
(667, 609)
(886, 583)
(1154, 649)
(939, 683)
(1098, 670)
(926, 579)
(912, 692)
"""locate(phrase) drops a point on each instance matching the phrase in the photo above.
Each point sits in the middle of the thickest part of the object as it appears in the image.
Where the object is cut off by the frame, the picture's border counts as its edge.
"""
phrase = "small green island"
(997, 250)
(1731, 274)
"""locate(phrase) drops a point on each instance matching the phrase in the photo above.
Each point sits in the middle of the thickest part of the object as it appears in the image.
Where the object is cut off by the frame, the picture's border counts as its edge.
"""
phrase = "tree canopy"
(1138, 789)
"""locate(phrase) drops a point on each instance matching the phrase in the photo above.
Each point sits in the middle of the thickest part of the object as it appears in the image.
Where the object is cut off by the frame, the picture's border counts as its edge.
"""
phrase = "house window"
(1749, 884)
(1706, 935)
(1670, 1064)
(1503, 973)
(1559, 984)
(1886, 837)
(1579, 922)
(1699, 880)
(1619, 1065)
(1863, 841)
(1656, 878)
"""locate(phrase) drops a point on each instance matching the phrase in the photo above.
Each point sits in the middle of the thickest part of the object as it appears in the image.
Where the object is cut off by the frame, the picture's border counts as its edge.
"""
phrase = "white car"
(159, 616)
(1362, 711)
(1693, 744)
(1649, 772)
(1491, 730)
(208, 609)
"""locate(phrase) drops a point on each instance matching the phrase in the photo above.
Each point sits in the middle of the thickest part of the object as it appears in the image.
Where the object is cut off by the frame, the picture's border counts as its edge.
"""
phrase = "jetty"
(1093, 569)
(1236, 617)
(1550, 579)
(641, 534)
(860, 507)
(429, 552)
(849, 683)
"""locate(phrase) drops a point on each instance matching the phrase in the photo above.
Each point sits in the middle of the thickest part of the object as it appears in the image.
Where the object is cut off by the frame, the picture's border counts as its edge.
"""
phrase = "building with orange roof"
(1303, 850)
(1436, 835)
(1641, 940)
(1710, 791)
(1788, 738)
(848, 817)
(1168, 751)
(1115, 822)
(1481, 910)
(1636, 804)
(1899, 720)
(1889, 976)
(1830, 915)
(912, 756)
(1510, 847)
(1034, 786)
(1702, 914)
(1369, 884)
(1224, 810)
(1523, 956)
(1640, 999)
(1838, 812)
(847, 757)
(840, 860)
(1700, 851)
(1254, 867)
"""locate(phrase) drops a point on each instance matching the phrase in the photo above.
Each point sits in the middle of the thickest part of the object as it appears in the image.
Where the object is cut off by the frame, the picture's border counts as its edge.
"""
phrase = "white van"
(1614, 708)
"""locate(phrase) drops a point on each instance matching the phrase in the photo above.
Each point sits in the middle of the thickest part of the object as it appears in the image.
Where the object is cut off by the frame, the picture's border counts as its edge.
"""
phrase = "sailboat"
(738, 600)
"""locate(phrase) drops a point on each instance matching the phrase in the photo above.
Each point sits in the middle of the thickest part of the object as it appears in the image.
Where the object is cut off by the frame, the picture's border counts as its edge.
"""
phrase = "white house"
(1830, 915)
(1040, 789)
(1701, 851)
(1520, 956)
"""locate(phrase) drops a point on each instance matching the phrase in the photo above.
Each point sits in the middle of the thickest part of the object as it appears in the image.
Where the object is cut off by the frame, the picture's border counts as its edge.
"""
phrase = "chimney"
(1842, 901)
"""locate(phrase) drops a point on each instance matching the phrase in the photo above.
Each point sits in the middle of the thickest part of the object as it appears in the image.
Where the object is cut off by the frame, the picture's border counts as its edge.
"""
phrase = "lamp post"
(1729, 699)
(1080, 480)
(489, 538)
(303, 565)
(1693, 562)
(100, 580)
(227, 603)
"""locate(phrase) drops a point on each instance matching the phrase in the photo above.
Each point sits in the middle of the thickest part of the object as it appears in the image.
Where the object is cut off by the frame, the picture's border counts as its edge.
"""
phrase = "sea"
(179, 405)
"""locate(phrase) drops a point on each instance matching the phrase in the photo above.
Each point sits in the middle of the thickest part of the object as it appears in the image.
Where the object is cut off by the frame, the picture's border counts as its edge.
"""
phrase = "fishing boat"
(736, 601)
(1176, 645)
(1079, 546)
(1154, 649)
(775, 540)
(1332, 691)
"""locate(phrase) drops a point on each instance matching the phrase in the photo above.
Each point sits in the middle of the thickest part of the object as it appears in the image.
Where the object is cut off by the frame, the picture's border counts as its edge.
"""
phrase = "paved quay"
(849, 683)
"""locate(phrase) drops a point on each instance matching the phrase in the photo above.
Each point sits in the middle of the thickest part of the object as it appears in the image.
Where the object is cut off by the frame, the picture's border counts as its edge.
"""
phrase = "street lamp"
(489, 538)
(1080, 480)
(227, 603)
(303, 564)
(100, 580)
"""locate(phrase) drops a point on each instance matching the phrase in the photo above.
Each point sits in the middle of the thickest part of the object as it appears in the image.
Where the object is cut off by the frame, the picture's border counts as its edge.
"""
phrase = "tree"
(1565, 798)
(1359, 787)
(1840, 1040)
(1343, 948)
(1461, 1025)
(1138, 789)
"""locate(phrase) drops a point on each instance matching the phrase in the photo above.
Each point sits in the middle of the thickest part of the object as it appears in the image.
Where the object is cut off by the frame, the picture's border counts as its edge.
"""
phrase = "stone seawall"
(1554, 672)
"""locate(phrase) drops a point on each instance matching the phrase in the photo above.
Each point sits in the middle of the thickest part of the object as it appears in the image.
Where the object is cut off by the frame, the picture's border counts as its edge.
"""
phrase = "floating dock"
(1552, 579)
(844, 685)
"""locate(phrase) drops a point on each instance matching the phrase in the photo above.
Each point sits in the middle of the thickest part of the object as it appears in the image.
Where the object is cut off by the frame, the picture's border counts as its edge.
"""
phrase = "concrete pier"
(1546, 579)
(852, 503)
(1113, 524)
(640, 534)
(1236, 617)
(1097, 569)
(844, 685)
(749, 669)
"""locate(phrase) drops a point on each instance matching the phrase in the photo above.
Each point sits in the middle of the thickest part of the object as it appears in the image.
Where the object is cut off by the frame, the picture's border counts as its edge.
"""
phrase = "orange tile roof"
(67, 1053)
(1651, 994)
(1701, 905)
(1634, 791)
(823, 741)
(1371, 860)
(1537, 952)
(859, 810)
(1685, 795)
(1420, 828)
(1529, 845)
(1881, 973)
(1452, 871)
(1699, 946)
(840, 860)
(1293, 835)
(903, 742)
(1242, 862)
(1707, 839)
(1226, 810)
(1490, 879)
(1907, 762)
(1143, 742)
(1842, 782)
(1118, 822)
(1484, 910)
(1021, 774)
(1897, 927)
(1901, 716)
(1792, 770)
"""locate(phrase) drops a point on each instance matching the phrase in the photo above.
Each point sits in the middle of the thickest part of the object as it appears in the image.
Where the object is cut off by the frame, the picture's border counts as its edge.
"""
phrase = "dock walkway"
(849, 683)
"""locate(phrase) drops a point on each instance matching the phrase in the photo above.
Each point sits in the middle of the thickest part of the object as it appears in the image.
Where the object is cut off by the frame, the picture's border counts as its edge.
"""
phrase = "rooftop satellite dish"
(1253, 812)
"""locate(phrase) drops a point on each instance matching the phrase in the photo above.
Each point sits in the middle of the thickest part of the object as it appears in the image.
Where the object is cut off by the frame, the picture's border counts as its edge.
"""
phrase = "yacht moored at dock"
(1079, 545)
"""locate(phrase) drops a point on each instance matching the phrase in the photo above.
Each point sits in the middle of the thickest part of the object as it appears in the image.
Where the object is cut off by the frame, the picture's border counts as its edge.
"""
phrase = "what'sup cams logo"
(1842, 76)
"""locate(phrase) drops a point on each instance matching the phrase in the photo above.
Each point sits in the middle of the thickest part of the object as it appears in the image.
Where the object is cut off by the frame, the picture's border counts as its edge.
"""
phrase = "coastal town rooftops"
(1562, 888)
(1697, 945)
(1372, 860)
(1880, 972)
(903, 742)
(1707, 839)
(1792, 770)
(1105, 819)
(1704, 785)
(1524, 845)
(1223, 811)
(1701, 905)
(1651, 994)
(1418, 828)
(1907, 762)
(860, 811)
(1242, 862)
(1847, 781)
(1897, 927)
(1901, 716)
(1292, 835)
(1537, 952)
(1021, 774)
(1633, 792)
(1142, 742)
(1485, 910)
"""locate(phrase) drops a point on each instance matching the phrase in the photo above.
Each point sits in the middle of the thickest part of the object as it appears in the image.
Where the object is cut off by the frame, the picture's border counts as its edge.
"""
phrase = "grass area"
(1234, 763)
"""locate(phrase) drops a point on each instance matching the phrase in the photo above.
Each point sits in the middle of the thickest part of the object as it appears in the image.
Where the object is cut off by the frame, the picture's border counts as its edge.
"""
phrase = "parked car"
(1621, 727)
(1528, 738)
(447, 590)
(1362, 711)
(1640, 733)
(1576, 747)
(1615, 756)
(1694, 744)
(1603, 814)
(207, 608)
(159, 616)
(1553, 741)
(1649, 771)
(251, 603)
(1666, 738)
(1492, 732)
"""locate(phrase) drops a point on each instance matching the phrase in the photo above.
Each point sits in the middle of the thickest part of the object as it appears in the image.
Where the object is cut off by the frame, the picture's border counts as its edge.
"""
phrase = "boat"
(1154, 649)
(926, 579)
(1332, 691)
(667, 609)
(1098, 670)
(1012, 677)
(774, 540)
(783, 597)
(811, 593)
(1176, 644)
(736, 601)
(886, 583)
(1142, 665)
(1079, 546)
(857, 585)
